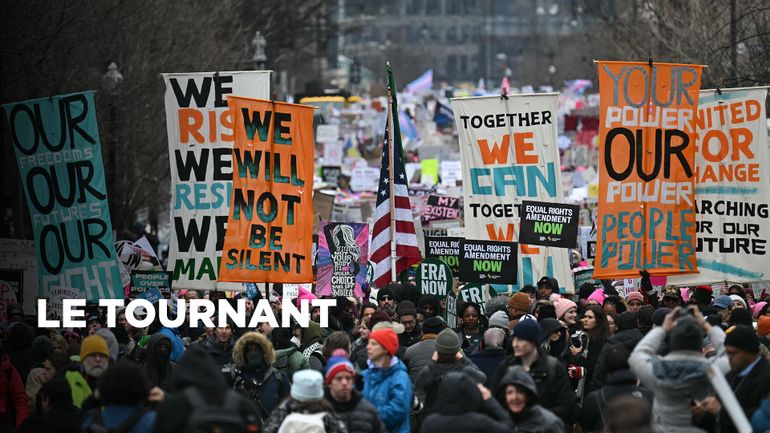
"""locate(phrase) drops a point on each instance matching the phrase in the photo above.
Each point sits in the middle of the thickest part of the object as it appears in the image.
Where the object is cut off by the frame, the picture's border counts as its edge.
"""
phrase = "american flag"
(407, 251)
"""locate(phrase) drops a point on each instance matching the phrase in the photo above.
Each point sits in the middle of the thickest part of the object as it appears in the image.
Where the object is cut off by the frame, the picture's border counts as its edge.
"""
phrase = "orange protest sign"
(647, 169)
(270, 222)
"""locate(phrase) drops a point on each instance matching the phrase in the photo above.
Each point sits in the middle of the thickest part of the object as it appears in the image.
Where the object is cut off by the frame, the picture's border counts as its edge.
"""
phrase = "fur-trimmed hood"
(253, 338)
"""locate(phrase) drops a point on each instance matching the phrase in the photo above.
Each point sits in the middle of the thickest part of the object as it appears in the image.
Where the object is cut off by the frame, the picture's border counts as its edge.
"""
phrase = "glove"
(575, 372)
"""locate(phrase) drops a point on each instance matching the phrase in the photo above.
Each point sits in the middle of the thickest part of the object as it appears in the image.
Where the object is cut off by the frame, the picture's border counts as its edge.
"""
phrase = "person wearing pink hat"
(756, 309)
(597, 297)
(566, 310)
(635, 301)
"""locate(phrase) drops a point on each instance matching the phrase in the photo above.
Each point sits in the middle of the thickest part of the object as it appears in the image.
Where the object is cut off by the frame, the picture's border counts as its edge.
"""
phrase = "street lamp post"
(259, 43)
(111, 81)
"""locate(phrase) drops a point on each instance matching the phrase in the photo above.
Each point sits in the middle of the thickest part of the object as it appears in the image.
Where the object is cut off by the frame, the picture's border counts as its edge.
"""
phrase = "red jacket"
(13, 398)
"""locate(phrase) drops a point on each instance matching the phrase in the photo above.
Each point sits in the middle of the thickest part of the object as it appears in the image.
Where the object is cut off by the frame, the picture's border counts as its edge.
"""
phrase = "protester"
(465, 406)
(628, 336)
(518, 305)
(491, 354)
(58, 414)
(407, 315)
(546, 287)
(470, 330)
(254, 375)
(311, 345)
(518, 392)
(358, 415)
(555, 340)
(157, 365)
(220, 345)
(123, 390)
(430, 305)
(386, 300)
(566, 311)
(582, 362)
(13, 400)
(635, 301)
(386, 382)
(672, 297)
(419, 355)
(305, 408)
(679, 378)
(41, 350)
(94, 356)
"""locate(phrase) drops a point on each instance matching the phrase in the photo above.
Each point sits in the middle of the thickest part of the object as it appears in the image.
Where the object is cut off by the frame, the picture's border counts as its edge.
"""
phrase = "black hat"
(686, 335)
(433, 325)
(627, 320)
(385, 291)
(406, 308)
(743, 338)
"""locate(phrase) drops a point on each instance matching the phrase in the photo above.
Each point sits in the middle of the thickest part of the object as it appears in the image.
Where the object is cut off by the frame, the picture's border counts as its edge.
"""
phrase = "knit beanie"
(756, 309)
(385, 291)
(686, 335)
(307, 385)
(561, 305)
(406, 308)
(763, 325)
(41, 348)
(519, 301)
(387, 339)
(433, 325)
(627, 320)
(739, 299)
(93, 344)
(338, 364)
(111, 340)
(377, 317)
(598, 296)
(431, 300)
(635, 296)
(527, 330)
(499, 320)
(447, 342)
(743, 338)
(585, 290)
(702, 294)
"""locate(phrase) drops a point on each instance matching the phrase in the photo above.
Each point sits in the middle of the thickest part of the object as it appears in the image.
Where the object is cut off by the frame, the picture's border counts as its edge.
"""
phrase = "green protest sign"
(434, 277)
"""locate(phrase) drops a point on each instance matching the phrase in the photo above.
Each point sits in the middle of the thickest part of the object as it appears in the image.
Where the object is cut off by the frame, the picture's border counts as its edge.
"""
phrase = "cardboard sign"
(333, 153)
(647, 169)
(450, 172)
(331, 173)
(328, 134)
(56, 141)
(549, 224)
(509, 151)
(18, 267)
(445, 249)
(270, 225)
(434, 277)
(200, 143)
(440, 207)
(343, 250)
(488, 262)
(142, 281)
(365, 179)
(450, 313)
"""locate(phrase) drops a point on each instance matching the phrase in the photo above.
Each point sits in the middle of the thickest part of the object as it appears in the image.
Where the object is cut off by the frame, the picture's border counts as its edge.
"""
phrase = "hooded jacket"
(621, 382)
(535, 418)
(390, 391)
(263, 384)
(460, 408)
(221, 355)
(629, 338)
(675, 379)
(196, 369)
(358, 415)
(311, 345)
(157, 373)
(426, 388)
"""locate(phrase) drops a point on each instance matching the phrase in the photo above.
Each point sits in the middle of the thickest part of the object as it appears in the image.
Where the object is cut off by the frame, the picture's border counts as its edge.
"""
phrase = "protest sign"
(365, 179)
(200, 139)
(732, 166)
(434, 277)
(333, 153)
(583, 275)
(450, 312)
(270, 225)
(440, 207)
(429, 171)
(445, 249)
(328, 134)
(18, 268)
(646, 169)
(549, 224)
(151, 281)
(509, 150)
(323, 205)
(330, 174)
(57, 148)
(430, 232)
(587, 242)
(477, 293)
(343, 252)
(11, 291)
(450, 172)
(488, 262)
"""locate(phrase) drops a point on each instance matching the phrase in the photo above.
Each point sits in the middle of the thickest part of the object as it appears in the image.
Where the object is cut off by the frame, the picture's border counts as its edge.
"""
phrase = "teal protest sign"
(57, 148)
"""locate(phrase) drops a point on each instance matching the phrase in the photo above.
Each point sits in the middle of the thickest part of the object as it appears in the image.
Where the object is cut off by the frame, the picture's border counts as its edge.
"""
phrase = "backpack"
(97, 424)
(207, 418)
(303, 423)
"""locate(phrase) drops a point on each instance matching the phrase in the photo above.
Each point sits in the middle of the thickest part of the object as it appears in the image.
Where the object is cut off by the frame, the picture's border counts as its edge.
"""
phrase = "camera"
(577, 338)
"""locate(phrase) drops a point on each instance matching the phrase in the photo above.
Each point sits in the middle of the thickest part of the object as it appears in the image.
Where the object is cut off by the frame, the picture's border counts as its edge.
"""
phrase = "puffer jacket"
(222, 355)
(390, 391)
(332, 423)
(13, 398)
(534, 418)
(267, 387)
(675, 379)
(290, 360)
(461, 409)
(358, 415)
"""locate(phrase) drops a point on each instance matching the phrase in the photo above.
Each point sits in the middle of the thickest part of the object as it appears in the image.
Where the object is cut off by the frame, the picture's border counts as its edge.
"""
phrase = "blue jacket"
(390, 391)
(761, 419)
(177, 345)
(114, 414)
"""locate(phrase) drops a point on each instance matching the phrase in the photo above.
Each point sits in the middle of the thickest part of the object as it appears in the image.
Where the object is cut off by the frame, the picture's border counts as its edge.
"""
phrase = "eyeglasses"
(386, 298)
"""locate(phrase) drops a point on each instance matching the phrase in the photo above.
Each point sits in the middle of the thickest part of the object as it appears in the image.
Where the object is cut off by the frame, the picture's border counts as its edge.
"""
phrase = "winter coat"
(469, 342)
(268, 387)
(64, 418)
(222, 355)
(426, 387)
(749, 390)
(390, 391)
(622, 382)
(419, 355)
(675, 379)
(535, 418)
(290, 361)
(761, 419)
(332, 424)
(358, 354)
(79, 386)
(197, 370)
(628, 338)
(553, 387)
(34, 383)
(157, 374)
(587, 358)
(358, 415)
(460, 408)
(177, 345)
(407, 340)
(13, 398)
(113, 415)
(311, 346)
(487, 361)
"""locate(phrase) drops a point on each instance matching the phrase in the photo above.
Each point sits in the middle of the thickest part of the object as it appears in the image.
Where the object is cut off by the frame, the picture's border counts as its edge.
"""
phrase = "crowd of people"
(532, 361)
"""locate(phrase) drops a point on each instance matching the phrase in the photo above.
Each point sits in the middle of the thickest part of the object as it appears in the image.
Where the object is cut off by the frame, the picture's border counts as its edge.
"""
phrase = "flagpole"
(391, 150)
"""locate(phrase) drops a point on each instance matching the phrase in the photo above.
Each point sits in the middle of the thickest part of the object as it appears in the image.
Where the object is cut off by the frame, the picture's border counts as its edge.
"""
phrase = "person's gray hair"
(494, 337)
(498, 303)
